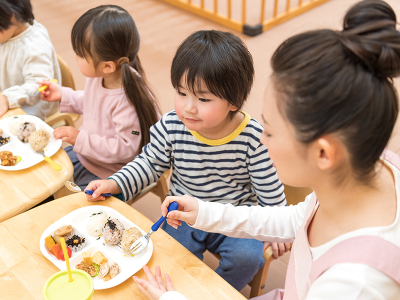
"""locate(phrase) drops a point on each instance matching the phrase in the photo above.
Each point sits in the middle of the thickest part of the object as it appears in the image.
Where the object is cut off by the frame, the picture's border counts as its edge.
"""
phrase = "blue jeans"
(82, 177)
(241, 258)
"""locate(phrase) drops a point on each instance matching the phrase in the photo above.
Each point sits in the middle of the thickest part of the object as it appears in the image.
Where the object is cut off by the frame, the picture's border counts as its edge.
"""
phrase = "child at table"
(117, 105)
(26, 57)
(328, 114)
(214, 149)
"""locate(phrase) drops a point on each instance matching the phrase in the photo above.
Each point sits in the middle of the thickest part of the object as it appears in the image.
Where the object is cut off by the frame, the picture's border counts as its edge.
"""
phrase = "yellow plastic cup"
(57, 286)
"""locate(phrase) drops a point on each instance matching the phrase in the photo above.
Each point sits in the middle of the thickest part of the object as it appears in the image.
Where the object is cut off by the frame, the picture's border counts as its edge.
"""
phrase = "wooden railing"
(233, 13)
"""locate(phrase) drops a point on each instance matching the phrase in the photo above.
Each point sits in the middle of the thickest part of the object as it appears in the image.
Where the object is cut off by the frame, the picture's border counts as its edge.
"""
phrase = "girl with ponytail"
(118, 107)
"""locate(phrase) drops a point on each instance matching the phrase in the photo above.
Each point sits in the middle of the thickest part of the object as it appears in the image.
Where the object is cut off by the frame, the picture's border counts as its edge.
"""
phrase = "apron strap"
(391, 157)
(373, 251)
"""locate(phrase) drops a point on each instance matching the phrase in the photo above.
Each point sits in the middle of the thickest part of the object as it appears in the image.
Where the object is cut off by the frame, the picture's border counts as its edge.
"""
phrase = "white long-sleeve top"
(280, 224)
(25, 60)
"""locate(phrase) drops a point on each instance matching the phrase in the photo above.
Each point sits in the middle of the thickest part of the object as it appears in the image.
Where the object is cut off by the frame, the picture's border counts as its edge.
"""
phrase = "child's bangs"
(197, 70)
(80, 38)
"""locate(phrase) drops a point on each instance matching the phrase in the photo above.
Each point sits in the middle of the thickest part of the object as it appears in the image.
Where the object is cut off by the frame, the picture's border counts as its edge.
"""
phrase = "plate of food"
(21, 137)
(98, 239)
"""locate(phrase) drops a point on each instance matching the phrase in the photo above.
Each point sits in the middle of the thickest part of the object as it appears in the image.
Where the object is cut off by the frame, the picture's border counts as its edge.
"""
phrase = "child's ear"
(233, 108)
(109, 67)
(328, 152)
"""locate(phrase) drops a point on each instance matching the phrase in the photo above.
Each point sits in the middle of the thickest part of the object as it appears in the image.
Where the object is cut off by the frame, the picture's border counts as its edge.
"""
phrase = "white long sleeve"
(272, 224)
(25, 60)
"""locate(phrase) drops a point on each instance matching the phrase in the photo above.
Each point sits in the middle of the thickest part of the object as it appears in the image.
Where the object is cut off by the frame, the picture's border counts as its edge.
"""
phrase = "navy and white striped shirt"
(236, 169)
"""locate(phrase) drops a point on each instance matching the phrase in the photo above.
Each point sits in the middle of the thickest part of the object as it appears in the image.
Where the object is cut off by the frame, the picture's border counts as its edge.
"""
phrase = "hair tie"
(123, 60)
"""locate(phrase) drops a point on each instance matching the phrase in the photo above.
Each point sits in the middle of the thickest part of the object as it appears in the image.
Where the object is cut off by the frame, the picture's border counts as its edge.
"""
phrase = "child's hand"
(102, 187)
(3, 105)
(67, 134)
(278, 249)
(154, 288)
(188, 210)
(52, 93)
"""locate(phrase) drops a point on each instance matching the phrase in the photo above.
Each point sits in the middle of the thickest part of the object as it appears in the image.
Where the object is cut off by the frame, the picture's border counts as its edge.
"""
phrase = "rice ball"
(39, 139)
(112, 231)
(25, 130)
(15, 124)
(96, 223)
(130, 236)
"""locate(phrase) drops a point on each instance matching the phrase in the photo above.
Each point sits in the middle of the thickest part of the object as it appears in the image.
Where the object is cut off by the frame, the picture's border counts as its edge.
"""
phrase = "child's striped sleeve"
(149, 165)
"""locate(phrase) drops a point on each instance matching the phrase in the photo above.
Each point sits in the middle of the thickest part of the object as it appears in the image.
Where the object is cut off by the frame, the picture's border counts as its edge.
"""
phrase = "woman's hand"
(67, 134)
(154, 288)
(188, 210)
(278, 249)
(52, 93)
(102, 187)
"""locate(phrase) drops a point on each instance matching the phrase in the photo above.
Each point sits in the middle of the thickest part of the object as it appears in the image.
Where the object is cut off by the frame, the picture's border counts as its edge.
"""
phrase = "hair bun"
(369, 32)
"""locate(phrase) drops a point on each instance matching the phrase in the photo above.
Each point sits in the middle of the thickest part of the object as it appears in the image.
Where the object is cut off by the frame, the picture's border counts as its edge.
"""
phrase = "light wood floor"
(162, 28)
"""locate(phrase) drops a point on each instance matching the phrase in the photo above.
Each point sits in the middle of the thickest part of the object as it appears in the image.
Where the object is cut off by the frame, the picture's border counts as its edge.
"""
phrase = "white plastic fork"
(143, 241)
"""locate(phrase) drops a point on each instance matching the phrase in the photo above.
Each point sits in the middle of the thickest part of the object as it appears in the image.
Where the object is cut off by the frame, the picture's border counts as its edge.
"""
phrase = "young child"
(26, 57)
(328, 116)
(214, 149)
(117, 105)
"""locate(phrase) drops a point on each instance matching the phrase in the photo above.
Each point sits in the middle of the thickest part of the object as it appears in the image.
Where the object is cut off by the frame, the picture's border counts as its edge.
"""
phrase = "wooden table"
(21, 190)
(24, 270)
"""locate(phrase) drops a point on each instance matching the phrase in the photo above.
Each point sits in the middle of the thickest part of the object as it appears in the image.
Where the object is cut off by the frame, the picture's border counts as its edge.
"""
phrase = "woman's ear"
(328, 152)
(108, 67)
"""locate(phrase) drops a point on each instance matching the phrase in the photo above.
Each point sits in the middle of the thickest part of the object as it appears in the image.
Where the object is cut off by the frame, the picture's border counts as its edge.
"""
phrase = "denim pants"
(82, 176)
(241, 258)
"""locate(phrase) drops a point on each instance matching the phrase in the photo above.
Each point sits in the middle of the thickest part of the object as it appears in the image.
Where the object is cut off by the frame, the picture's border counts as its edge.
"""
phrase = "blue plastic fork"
(143, 241)
(87, 192)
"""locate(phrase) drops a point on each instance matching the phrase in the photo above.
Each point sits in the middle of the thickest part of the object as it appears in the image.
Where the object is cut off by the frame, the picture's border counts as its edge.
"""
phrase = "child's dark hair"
(218, 59)
(21, 10)
(341, 81)
(108, 33)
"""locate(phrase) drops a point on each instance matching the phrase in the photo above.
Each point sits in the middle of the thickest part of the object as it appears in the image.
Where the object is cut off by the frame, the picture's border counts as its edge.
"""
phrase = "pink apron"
(302, 271)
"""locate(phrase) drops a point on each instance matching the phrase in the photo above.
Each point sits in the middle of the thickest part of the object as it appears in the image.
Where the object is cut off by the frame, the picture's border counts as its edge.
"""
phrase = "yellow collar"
(226, 139)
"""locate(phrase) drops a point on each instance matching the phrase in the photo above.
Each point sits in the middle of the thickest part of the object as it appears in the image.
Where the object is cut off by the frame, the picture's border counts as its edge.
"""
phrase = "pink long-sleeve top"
(108, 138)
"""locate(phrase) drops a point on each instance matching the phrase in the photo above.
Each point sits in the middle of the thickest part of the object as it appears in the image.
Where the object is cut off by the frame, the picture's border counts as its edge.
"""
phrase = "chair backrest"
(295, 195)
(66, 75)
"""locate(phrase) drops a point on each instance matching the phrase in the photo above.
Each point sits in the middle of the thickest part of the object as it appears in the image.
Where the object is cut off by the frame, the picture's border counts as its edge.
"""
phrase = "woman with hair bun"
(329, 112)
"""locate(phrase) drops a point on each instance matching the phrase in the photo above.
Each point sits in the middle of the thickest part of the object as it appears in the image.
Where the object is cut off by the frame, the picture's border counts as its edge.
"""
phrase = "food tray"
(78, 219)
(29, 157)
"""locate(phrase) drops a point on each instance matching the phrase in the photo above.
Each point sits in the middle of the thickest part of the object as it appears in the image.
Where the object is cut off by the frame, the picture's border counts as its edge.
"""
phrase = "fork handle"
(172, 206)
(54, 165)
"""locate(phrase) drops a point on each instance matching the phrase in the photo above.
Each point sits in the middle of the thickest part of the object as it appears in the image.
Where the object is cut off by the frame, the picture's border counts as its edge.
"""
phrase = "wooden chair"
(60, 119)
(293, 196)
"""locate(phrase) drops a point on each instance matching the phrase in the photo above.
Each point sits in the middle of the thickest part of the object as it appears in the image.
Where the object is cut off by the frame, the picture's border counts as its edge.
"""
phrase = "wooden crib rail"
(271, 12)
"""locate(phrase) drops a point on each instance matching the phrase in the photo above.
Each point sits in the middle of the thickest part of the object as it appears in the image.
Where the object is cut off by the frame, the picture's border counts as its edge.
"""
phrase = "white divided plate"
(78, 219)
(29, 157)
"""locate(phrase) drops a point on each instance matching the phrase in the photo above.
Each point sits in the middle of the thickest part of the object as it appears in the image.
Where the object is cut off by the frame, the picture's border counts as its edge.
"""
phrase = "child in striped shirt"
(213, 147)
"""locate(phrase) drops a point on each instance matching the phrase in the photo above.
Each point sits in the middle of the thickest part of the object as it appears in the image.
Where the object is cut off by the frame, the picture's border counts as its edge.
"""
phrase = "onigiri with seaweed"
(96, 223)
(15, 124)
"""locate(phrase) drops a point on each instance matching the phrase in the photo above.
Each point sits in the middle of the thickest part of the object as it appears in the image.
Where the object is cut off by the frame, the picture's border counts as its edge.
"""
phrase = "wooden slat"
(291, 13)
(287, 5)
(275, 8)
(262, 11)
(243, 11)
(205, 13)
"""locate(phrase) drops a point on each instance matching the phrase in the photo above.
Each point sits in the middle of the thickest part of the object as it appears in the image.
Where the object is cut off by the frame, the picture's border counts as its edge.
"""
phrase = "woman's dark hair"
(21, 10)
(108, 33)
(341, 81)
(218, 59)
